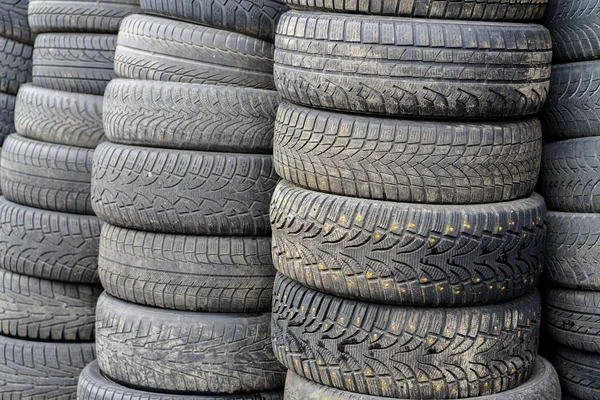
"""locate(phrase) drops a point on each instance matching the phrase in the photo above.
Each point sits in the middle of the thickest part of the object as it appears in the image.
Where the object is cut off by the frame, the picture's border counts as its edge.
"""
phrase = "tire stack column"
(48, 234)
(183, 187)
(406, 233)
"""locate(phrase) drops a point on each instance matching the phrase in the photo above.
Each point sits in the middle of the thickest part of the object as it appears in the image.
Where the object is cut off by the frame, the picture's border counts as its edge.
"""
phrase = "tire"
(7, 115)
(188, 116)
(194, 273)
(403, 352)
(13, 21)
(188, 192)
(74, 62)
(579, 372)
(44, 175)
(55, 116)
(15, 65)
(152, 48)
(404, 160)
(573, 101)
(185, 352)
(256, 18)
(570, 175)
(408, 254)
(382, 65)
(522, 10)
(38, 370)
(48, 244)
(543, 384)
(93, 16)
(572, 257)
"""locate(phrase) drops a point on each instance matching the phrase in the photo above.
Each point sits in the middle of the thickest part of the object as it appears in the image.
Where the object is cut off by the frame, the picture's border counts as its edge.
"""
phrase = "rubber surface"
(185, 352)
(403, 160)
(257, 18)
(94, 16)
(398, 253)
(152, 48)
(56, 116)
(74, 62)
(177, 191)
(412, 67)
(15, 65)
(195, 273)
(579, 372)
(49, 244)
(7, 115)
(404, 352)
(13, 21)
(190, 116)
(45, 175)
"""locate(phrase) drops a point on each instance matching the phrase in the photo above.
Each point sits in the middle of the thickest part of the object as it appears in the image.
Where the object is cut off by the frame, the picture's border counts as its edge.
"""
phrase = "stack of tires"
(48, 233)
(183, 187)
(571, 186)
(409, 250)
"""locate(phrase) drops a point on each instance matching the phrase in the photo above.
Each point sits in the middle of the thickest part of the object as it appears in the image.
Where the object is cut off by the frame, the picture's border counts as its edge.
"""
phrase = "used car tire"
(15, 65)
(13, 21)
(579, 372)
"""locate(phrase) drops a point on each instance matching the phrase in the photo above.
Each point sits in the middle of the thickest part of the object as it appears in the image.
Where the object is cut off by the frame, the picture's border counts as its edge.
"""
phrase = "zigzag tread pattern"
(579, 372)
(15, 65)
(13, 21)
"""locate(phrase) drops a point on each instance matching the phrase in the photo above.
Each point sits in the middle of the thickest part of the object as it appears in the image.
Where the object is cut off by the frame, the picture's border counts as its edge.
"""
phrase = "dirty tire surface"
(13, 21)
(15, 65)
(190, 116)
(185, 351)
(184, 272)
(7, 115)
(45, 175)
(403, 160)
(386, 65)
(579, 372)
(153, 48)
(177, 191)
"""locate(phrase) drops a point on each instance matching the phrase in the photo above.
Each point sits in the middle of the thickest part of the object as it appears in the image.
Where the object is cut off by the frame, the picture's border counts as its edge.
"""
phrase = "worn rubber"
(93, 16)
(489, 10)
(178, 191)
(49, 244)
(13, 21)
(571, 175)
(153, 48)
(410, 254)
(185, 352)
(256, 18)
(39, 370)
(56, 116)
(412, 67)
(74, 62)
(403, 160)
(573, 105)
(543, 384)
(7, 115)
(579, 372)
(45, 175)
(15, 65)
(404, 352)
(190, 116)
(182, 272)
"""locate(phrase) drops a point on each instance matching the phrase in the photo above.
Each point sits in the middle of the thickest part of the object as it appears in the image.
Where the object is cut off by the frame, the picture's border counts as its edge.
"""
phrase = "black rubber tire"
(7, 115)
(571, 175)
(403, 160)
(13, 21)
(488, 10)
(48, 244)
(74, 62)
(386, 65)
(572, 256)
(153, 48)
(543, 384)
(93, 16)
(404, 352)
(188, 116)
(573, 106)
(256, 18)
(56, 116)
(50, 176)
(185, 352)
(579, 372)
(194, 273)
(408, 254)
(178, 191)
(15, 65)
(572, 26)
(37, 370)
